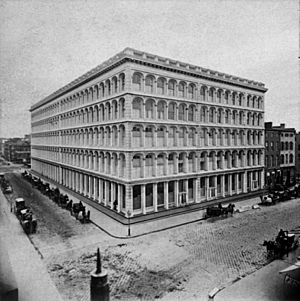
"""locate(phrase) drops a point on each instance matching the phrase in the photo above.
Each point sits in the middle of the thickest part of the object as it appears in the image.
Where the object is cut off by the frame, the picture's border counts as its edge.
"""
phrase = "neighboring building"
(152, 133)
(297, 156)
(280, 154)
(2, 141)
(17, 150)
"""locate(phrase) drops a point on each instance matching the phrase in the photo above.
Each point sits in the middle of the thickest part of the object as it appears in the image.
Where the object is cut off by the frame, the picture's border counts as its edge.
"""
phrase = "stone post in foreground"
(99, 285)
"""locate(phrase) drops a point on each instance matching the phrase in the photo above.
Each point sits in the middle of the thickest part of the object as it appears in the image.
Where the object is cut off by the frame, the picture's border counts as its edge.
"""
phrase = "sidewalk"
(119, 230)
(33, 280)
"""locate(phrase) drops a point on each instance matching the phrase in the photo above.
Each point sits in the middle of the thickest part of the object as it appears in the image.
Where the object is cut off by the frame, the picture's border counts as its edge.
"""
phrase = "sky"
(46, 44)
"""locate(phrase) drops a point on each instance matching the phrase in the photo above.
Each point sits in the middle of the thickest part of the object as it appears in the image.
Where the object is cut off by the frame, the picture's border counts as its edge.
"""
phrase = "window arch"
(171, 87)
(191, 113)
(161, 110)
(150, 108)
(137, 81)
(181, 87)
(191, 91)
(149, 84)
(137, 107)
(181, 110)
(291, 145)
(171, 111)
(161, 85)
(291, 158)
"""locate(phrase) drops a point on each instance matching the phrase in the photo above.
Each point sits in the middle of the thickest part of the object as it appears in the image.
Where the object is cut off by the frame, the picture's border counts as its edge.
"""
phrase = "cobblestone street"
(184, 263)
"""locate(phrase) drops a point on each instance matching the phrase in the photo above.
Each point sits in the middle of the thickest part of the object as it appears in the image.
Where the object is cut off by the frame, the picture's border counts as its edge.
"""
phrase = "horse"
(228, 209)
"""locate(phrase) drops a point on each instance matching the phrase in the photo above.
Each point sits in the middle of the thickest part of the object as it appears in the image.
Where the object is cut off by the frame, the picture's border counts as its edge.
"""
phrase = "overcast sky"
(46, 44)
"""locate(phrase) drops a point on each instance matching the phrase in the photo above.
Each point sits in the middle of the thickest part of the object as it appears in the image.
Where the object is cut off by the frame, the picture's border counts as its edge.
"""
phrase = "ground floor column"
(100, 198)
(166, 195)
(206, 179)
(176, 193)
(119, 197)
(154, 187)
(186, 190)
(106, 199)
(128, 198)
(112, 195)
(230, 184)
(143, 198)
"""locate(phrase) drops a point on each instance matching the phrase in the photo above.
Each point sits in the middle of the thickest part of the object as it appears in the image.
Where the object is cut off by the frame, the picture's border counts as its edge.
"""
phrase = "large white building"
(152, 133)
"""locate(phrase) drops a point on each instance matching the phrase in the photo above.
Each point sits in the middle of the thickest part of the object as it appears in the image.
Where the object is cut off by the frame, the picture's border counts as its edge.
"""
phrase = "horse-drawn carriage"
(220, 210)
(25, 216)
(282, 245)
(79, 211)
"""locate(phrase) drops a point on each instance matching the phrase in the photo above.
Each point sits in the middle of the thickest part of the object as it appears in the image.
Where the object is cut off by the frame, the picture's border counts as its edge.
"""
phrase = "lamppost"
(128, 216)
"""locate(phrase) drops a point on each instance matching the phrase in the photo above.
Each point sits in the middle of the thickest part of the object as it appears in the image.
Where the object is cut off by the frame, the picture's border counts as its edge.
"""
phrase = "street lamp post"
(128, 216)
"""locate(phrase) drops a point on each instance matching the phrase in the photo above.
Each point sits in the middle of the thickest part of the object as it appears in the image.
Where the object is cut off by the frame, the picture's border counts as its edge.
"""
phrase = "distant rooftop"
(281, 127)
(130, 53)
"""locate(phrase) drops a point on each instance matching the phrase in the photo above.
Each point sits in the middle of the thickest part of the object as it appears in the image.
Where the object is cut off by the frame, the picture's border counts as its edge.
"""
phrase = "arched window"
(149, 108)
(202, 93)
(291, 158)
(137, 108)
(203, 114)
(211, 115)
(160, 110)
(171, 111)
(226, 96)
(286, 145)
(219, 99)
(137, 81)
(291, 145)
(191, 113)
(171, 87)
(227, 116)
(122, 81)
(219, 117)
(160, 86)
(181, 112)
(210, 95)
(181, 89)
(149, 84)
(191, 91)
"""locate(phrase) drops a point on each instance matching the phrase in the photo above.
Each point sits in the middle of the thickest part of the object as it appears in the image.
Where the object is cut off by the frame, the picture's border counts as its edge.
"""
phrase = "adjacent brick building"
(17, 150)
(152, 133)
(280, 154)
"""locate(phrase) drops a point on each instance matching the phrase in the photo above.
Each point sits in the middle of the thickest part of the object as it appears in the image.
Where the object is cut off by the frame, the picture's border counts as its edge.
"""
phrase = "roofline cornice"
(139, 57)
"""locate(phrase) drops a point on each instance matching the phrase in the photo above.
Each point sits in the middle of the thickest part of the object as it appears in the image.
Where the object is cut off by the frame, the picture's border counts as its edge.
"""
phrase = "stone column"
(143, 198)
(206, 187)
(166, 195)
(223, 186)
(154, 186)
(112, 195)
(119, 197)
(176, 193)
(106, 193)
(230, 184)
(186, 189)
(244, 179)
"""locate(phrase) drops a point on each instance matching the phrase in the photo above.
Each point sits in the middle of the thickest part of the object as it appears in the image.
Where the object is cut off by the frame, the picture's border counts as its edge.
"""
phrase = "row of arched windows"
(149, 83)
(140, 135)
(106, 88)
(162, 110)
(151, 164)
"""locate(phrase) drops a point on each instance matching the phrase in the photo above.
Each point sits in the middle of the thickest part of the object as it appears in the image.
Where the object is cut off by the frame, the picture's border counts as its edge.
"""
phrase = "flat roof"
(130, 54)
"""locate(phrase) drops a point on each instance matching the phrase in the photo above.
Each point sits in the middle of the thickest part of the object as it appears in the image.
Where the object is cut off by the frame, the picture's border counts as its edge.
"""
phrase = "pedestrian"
(115, 204)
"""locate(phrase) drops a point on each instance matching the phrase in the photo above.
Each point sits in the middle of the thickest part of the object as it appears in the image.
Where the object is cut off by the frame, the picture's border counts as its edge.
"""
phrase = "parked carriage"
(25, 216)
(282, 245)
(219, 210)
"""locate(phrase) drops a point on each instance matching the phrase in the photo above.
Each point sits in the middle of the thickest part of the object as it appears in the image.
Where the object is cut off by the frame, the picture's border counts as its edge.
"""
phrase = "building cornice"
(151, 60)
